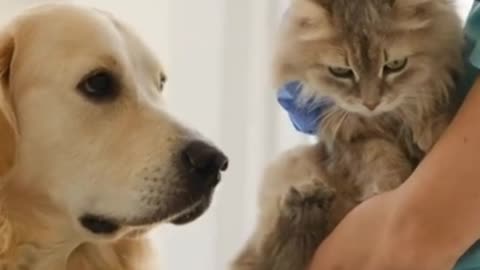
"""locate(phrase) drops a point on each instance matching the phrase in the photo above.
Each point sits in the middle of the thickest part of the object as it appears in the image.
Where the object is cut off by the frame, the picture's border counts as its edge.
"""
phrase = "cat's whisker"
(416, 97)
(421, 96)
(300, 86)
(339, 125)
(327, 116)
(334, 118)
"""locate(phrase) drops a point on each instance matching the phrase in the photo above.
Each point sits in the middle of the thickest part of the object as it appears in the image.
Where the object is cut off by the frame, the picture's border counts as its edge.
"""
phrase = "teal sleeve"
(471, 51)
(474, 58)
(472, 33)
(471, 260)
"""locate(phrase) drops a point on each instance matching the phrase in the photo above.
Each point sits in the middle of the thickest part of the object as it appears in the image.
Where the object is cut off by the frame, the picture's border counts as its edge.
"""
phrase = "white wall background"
(216, 54)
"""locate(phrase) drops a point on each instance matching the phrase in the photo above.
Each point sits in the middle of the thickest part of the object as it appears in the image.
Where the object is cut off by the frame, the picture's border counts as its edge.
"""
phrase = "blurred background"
(216, 53)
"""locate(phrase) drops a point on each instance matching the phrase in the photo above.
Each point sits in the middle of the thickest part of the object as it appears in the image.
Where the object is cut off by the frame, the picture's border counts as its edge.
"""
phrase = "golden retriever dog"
(89, 159)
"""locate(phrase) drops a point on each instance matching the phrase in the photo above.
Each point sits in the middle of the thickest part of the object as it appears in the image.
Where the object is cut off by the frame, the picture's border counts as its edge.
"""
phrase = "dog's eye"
(100, 85)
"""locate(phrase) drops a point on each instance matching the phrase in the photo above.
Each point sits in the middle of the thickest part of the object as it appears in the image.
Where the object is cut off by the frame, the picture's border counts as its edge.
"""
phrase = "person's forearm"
(443, 194)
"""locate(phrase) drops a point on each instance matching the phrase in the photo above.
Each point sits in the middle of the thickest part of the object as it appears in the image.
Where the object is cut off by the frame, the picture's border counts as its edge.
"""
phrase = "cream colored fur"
(62, 154)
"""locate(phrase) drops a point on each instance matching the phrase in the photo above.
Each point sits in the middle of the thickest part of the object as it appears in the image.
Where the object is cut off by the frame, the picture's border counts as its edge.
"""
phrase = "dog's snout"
(204, 159)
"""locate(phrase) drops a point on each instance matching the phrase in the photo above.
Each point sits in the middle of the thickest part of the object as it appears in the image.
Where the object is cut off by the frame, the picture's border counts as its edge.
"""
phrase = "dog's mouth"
(193, 213)
(99, 224)
(102, 225)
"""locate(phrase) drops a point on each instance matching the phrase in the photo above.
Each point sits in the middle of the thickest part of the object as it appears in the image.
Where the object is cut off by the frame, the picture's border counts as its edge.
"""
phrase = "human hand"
(375, 236)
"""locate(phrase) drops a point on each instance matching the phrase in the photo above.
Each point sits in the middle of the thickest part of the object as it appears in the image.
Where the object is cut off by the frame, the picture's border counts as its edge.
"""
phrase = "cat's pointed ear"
(390, 3)
(309, 19)
(411, 3)
(413, 14)
(326, 4)
(8, 126)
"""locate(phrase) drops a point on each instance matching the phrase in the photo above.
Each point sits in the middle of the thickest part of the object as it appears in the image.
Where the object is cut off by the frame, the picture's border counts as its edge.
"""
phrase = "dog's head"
(81, 119)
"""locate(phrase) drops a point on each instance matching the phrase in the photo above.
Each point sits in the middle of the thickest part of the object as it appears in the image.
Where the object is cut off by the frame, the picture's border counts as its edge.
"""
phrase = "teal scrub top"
(471, 260)
(472, 49)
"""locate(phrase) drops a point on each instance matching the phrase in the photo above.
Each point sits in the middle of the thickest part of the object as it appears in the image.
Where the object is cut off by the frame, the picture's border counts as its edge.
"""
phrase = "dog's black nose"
(204, 159)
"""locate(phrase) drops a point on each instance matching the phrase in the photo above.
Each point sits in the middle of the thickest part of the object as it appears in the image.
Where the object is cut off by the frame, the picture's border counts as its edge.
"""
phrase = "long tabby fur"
(382, 124)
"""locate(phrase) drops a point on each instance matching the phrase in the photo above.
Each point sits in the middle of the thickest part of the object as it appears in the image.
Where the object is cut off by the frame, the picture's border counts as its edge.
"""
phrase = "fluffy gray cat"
(389, 66)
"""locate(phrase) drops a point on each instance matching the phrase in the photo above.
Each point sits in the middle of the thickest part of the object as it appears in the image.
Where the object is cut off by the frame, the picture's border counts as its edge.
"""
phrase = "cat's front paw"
(312, 199)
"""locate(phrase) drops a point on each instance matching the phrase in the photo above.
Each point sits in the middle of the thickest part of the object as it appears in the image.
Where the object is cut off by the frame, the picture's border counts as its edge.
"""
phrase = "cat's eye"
(395, 65)
(341, 72)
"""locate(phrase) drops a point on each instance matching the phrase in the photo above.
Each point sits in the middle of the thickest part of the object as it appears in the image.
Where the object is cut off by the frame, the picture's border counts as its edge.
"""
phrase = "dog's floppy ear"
(8, 127)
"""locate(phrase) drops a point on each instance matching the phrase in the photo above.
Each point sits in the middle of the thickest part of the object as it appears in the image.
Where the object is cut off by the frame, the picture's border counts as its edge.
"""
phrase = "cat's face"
(369, 78)
(369, 56)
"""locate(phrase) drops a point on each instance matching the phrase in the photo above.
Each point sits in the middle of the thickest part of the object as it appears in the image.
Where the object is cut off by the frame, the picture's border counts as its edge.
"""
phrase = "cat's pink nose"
(371, 105)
